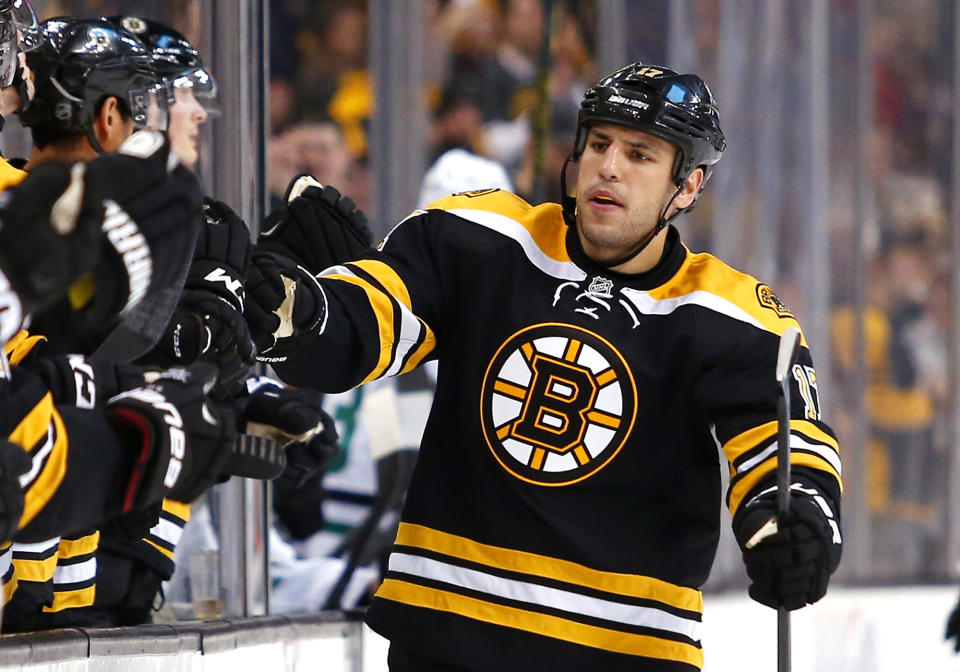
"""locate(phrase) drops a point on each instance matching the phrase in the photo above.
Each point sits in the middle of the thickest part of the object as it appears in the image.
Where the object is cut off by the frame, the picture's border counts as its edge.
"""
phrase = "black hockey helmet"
(176, 61)
(677, 108)
(78, 62)
(18, 27)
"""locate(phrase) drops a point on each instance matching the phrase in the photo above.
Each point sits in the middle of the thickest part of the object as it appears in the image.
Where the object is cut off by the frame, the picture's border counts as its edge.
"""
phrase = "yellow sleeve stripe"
(395, 287)
(35, 424)
(31, 430)
(179, 509)
(166, 552)
(632, 585)
(745, 485)
(753, 437)
(72, 599)
(38, 571)
(387, 277)
(383, 310)
(20, 345)
(71, 548)
(540, 624)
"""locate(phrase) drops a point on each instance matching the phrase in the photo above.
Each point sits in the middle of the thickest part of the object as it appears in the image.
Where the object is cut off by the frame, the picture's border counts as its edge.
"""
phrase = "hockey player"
(563, 513)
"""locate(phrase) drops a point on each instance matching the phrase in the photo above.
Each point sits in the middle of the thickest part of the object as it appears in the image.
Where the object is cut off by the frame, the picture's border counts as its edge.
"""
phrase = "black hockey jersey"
(565, 508)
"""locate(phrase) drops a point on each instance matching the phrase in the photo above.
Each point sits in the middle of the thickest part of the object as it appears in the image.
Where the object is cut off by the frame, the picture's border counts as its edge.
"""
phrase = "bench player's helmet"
(656, 100)
(176, 61)
(77, 63)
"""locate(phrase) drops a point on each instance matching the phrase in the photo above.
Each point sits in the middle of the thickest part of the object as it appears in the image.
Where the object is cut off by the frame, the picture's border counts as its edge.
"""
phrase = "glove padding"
(791, 567)
(318, 229)
(222, 256)
(49, 236)
(285, 305)
(14, 462)
(152, 216)
(184, 436)
(75, 380)
(294, 419)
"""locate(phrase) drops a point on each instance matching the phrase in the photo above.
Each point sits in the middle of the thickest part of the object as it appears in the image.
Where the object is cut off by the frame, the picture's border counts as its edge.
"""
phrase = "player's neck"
(69, 152)
(648, 258)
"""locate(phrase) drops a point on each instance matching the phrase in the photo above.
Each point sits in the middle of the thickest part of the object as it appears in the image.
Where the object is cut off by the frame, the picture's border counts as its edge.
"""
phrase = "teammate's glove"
(184, 437)
(49, 236)
(294, 419)
(75, 380)
(285, 305)
(789, 565)
(206, 328)
(14, 462)
(318, 227)
(953, 628)
(222, 256)
(152, 215)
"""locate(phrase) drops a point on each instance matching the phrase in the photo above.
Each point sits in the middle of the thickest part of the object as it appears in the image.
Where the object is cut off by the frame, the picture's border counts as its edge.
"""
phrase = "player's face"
(186, 115)
(625, 180)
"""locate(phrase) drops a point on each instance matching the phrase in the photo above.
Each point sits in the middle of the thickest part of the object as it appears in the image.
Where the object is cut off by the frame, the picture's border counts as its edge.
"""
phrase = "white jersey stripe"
(37, 461)
(565, 270)
(168, 531)
(535, 594)
(648, 305)
(826, 453)
(82, 571)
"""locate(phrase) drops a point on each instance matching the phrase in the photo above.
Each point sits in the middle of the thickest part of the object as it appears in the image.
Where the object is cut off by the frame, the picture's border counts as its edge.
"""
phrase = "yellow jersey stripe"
(20, 345)
(164, 551)
(387, 277)
(38, 571)
(179, 509)
(745, 485)
(51, 476)
(72, 599)
(540, 624)
(71, 548)
(632, 585)
(383, 311)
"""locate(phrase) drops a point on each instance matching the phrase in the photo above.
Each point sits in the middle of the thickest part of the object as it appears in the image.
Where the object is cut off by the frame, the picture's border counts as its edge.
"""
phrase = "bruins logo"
(769, 300)
(558, 403)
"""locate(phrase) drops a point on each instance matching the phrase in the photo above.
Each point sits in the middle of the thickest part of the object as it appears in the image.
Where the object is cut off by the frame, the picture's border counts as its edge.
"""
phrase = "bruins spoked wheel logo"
(558, 403)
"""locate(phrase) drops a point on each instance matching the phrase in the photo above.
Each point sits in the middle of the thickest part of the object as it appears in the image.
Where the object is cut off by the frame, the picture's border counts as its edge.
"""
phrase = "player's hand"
(49, 236)
(14, 462)
(318, 227)
(790, 565)
(285, 305)
(294, 419)
(75, 380)
(152, 216)
(207, 328)
(182, 438)
(222, 256)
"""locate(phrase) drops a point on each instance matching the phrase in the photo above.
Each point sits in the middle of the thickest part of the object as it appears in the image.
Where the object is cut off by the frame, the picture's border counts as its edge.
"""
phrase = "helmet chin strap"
(92, 138)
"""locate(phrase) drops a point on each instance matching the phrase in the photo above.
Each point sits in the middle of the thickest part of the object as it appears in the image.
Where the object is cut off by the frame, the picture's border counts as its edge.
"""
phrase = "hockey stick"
(786, 355)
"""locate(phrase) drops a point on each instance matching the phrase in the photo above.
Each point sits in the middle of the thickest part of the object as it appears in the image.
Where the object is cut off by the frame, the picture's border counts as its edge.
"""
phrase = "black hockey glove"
(953, 628)
(49, 236)
(206, 328)
(75, 380)
(222, 256)
(318, 227)
(791, 566)
(152, 215)
(285, 306)
(184, 437)
(295, 420)
(14, 462)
